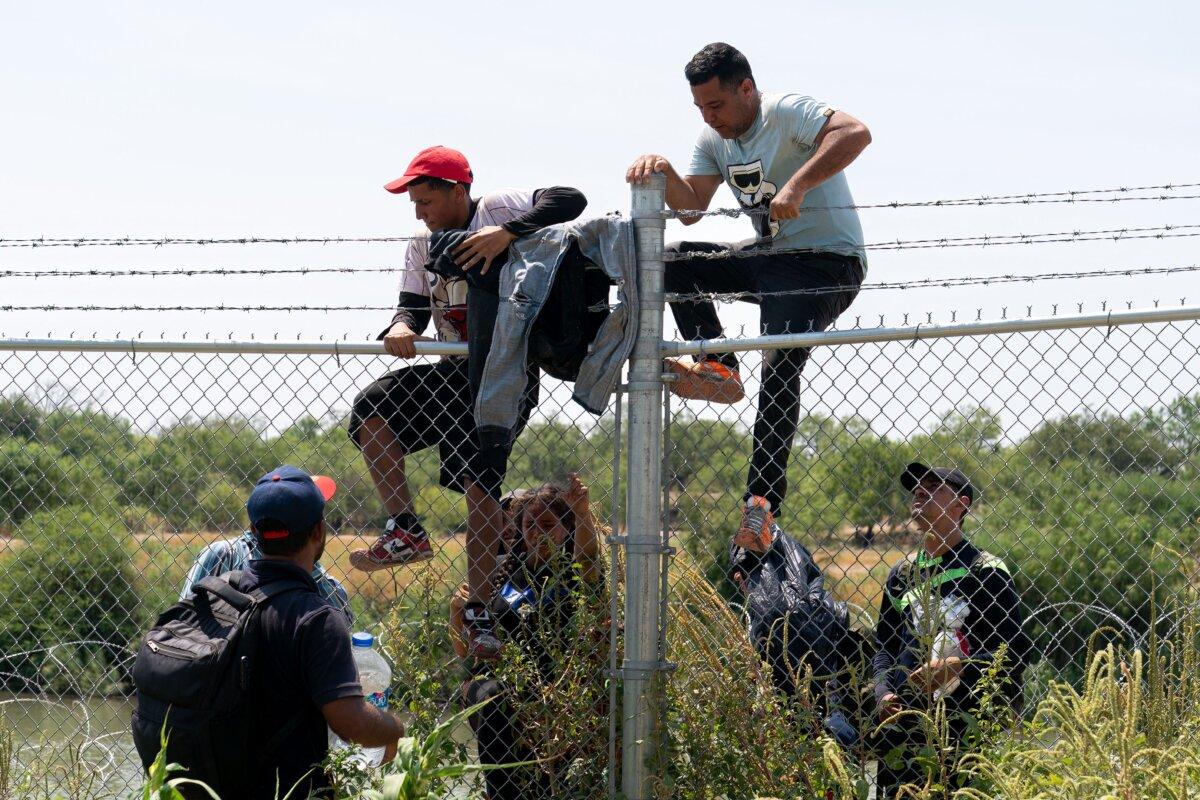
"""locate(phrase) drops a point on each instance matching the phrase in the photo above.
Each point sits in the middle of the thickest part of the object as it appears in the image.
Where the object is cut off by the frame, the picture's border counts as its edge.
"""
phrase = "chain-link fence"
(1081, 445)
(122, 471)
(125, 468)
(121, 466)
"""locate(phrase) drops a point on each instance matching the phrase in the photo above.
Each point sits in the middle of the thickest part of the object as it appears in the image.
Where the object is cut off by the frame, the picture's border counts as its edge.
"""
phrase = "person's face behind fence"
(543, 530)
(937, 504)
(728, 110)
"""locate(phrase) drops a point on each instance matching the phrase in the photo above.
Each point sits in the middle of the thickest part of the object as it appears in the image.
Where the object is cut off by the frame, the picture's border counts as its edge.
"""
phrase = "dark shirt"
(993, 619)
(534, 608)
(305, 662)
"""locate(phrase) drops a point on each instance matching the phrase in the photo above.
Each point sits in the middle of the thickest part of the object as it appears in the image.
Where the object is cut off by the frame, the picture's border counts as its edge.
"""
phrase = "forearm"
(355, 720)
(552, 206)
(587, 547)
(380, 729)
(681, 196)
(413, 310)
(837, 150)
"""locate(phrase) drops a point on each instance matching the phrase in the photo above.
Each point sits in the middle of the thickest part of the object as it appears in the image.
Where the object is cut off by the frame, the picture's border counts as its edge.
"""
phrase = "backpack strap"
(222, 587)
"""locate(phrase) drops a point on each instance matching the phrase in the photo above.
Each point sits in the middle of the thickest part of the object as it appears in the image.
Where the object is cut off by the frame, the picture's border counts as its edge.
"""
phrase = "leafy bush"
(71, 603)
(31, 478)
(19, 418)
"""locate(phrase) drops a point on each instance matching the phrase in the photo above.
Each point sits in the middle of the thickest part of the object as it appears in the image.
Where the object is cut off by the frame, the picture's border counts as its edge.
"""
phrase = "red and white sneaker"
(705, 380)
(754, 533)
(482, 642)
(399, 545)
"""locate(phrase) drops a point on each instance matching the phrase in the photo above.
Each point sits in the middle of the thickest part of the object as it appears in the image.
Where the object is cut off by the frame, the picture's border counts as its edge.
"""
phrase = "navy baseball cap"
(916, 471)
(290, 496)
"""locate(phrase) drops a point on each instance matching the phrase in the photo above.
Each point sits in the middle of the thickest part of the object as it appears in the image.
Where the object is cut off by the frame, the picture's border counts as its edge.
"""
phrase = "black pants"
(779, 397)
(903, 752)
(496, 732)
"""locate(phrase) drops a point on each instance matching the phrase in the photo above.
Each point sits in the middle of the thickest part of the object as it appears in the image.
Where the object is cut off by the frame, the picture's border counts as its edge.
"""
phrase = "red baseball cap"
(434, 162)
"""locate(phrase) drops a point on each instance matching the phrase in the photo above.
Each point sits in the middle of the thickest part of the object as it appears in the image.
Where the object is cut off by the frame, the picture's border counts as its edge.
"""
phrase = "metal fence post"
(643, 515)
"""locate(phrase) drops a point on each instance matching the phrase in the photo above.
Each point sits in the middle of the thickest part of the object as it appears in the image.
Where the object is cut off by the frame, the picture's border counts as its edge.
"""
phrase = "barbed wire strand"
(931, 283)
(1032, 198)
(1068, 196)
(987, 240)
(951, 315)
(923, 283)
(160, 242)
(991, 240)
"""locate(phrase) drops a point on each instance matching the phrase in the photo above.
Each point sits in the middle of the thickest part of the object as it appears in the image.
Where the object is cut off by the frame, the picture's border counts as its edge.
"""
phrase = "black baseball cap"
(916, 471)
(290, 496)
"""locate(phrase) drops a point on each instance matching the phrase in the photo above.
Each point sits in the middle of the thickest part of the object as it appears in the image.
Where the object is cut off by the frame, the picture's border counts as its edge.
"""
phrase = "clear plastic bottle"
(375, 675)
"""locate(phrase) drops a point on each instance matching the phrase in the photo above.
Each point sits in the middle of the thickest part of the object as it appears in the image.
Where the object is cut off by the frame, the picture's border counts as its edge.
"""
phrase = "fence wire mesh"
(120, 469)
(1082, 445)
(121, 472)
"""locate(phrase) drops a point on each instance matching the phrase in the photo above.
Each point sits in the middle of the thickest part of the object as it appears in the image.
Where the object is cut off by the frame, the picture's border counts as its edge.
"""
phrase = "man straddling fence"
(948, 616)
(427, 405)
(783, 156)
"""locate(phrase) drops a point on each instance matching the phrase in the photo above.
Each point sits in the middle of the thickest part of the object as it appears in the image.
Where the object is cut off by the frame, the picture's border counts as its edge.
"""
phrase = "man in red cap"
(429, 404)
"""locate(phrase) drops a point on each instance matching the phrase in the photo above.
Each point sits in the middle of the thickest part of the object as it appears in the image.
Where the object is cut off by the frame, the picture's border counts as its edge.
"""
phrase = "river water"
(76, 745)
(49, 733)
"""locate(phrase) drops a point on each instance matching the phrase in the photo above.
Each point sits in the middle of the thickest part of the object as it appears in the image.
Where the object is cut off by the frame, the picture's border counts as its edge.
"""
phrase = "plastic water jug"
(375, 676)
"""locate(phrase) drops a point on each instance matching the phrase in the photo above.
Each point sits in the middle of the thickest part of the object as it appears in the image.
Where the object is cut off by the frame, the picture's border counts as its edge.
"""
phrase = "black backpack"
(794, 622)
(192, 674)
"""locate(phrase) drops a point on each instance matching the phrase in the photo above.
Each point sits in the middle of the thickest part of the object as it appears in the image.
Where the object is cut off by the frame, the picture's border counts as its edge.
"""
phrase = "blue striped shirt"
(234, 554)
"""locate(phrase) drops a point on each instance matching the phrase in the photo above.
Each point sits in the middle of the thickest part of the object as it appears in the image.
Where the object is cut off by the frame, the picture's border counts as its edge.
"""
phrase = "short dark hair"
(289, 545)
(438, 183)
(718, 60)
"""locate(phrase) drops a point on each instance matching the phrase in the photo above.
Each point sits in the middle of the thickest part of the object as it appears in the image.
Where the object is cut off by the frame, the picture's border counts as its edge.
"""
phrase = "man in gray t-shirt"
(782, 155)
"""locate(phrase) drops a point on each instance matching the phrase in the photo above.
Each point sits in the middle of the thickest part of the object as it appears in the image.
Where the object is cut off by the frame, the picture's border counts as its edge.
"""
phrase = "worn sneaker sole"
(749, 540)
(362, 560)
(695, 382)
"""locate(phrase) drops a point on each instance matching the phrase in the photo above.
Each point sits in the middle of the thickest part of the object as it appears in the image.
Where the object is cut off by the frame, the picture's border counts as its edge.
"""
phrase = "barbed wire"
(220, 307)
(722, 297)
(1031, 198)
(951, 315)
(186, 272)
(930, 283)
(1110, 234)
(160, 242)
(987, 240)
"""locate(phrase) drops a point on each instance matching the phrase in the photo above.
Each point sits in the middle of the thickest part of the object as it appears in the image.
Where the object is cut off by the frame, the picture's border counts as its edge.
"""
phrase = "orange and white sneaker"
(754, 534)
(705, 380)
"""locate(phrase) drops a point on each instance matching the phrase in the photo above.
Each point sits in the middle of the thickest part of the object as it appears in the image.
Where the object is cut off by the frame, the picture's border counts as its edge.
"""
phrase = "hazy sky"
(165, 119)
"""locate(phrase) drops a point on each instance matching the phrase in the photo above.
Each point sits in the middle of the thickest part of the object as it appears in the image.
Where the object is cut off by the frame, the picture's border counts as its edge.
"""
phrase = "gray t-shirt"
(759, 162)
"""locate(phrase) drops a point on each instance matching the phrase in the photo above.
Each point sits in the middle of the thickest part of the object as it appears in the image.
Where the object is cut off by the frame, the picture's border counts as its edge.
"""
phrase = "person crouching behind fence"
(229, 555)
(799, 629)
(949, 616)
(543, 585)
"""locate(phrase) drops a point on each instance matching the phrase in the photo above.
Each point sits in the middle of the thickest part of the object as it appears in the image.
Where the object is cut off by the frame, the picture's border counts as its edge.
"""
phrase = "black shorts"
(425, 405)
(430, 404)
